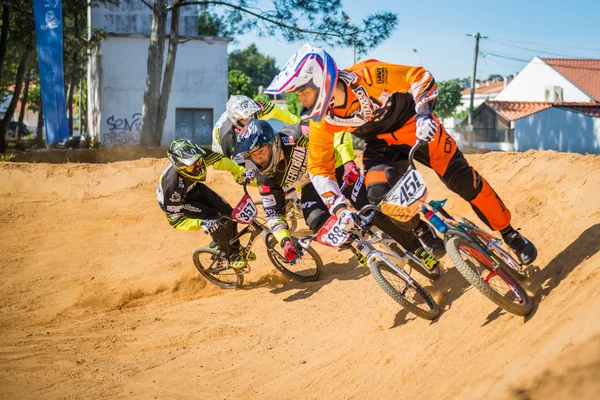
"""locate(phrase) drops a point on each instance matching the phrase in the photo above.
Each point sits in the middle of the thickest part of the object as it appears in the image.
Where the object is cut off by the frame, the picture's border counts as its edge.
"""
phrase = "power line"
(485, 52)
(534, 50)
(547, 44)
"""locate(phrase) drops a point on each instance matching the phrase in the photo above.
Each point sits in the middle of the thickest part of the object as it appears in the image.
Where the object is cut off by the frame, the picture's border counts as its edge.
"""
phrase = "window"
(195, 124)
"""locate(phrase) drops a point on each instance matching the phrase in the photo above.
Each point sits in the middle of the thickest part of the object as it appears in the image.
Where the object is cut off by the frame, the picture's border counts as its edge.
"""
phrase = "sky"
(436, 29)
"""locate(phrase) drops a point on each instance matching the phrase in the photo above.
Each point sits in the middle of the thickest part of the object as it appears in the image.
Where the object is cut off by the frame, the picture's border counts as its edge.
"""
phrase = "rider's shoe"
(433, 244)
(238, 262)
(522, 247)
(212, 244)
(427, 259)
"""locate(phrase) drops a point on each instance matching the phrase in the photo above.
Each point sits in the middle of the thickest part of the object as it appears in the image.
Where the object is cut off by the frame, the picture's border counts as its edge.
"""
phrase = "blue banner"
(48, 29)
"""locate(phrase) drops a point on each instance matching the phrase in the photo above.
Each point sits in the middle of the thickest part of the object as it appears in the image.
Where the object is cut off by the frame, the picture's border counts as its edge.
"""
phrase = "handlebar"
(411, 153)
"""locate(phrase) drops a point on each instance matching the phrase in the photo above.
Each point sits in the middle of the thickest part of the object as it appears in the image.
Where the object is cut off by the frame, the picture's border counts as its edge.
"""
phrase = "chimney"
(507, 79)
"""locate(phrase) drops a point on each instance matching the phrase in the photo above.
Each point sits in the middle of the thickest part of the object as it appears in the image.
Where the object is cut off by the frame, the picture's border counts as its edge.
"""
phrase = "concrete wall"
(558, 129)
(530, 84)
(199, 81)
(132, 17)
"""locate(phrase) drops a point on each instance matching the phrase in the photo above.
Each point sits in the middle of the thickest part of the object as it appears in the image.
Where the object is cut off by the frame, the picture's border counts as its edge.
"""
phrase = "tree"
(448, 98)
(321, 21)
(240, 83)
(293, 103)
(260, 68)
(495, 78)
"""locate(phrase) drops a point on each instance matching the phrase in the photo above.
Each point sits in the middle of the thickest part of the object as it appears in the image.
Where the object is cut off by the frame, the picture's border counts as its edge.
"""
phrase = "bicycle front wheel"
(496, 284)
(216, 268)
(307, 268)
(409, 295)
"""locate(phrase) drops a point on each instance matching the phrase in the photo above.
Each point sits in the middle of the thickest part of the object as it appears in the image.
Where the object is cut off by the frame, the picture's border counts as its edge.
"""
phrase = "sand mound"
(100, 299)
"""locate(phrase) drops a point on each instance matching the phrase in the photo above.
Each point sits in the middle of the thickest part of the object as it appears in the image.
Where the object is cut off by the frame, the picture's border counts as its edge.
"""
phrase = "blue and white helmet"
(309, 67)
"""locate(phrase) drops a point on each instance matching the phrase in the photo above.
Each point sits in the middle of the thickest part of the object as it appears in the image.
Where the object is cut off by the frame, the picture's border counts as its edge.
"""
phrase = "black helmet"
(256, 135)
(188, 159)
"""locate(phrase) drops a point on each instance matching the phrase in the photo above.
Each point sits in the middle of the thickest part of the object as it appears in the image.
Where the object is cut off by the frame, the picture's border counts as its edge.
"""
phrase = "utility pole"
(470, 124)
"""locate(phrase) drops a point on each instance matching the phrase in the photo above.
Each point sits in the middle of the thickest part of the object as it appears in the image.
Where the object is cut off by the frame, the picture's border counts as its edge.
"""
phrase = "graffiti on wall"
(122, 132)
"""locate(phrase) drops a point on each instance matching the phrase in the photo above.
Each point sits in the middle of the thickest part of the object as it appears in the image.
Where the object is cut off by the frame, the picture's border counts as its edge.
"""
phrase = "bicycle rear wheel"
(409, 295)
(307, 268)
(216, 268)
(498, 285)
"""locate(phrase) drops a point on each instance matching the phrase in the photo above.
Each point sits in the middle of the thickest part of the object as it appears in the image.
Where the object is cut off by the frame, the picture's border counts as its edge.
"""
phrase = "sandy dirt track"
(99, 299)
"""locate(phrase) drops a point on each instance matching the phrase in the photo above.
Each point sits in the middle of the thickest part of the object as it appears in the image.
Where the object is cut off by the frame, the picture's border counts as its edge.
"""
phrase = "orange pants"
(386, 159)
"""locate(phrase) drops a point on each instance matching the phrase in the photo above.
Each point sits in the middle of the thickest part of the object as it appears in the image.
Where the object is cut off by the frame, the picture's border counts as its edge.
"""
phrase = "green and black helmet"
(188, 159)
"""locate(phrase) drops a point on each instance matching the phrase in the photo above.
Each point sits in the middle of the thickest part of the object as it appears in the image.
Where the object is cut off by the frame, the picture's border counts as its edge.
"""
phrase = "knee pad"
(377, 191)
(316, 219)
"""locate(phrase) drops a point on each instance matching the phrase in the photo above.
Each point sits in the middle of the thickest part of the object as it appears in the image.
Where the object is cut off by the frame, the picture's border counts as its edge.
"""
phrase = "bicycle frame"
(366, 246)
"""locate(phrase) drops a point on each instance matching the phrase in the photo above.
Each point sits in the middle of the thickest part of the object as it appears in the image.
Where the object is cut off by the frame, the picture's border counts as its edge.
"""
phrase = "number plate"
(404, 199)
(332, 234)
(245, 212)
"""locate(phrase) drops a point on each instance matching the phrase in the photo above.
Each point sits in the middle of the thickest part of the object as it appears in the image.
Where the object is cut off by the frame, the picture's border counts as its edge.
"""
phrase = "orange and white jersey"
(380, 98)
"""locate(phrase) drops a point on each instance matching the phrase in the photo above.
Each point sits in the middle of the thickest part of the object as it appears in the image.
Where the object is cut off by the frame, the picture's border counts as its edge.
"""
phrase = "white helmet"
(309, 67)
(240, 108)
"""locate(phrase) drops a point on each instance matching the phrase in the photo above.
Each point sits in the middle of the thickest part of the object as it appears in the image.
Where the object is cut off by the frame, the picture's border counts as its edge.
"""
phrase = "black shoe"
(522, 247)
(432, 244)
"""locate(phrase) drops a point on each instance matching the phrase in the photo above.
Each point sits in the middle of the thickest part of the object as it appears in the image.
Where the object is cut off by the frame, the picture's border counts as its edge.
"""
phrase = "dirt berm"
(99, 299)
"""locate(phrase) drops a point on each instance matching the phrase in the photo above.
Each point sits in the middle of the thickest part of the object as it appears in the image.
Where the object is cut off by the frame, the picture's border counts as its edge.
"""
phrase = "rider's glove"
(210, 225)
(247, 176)
(289, 250)
(351, 173)
(426, 128)
(347, 220)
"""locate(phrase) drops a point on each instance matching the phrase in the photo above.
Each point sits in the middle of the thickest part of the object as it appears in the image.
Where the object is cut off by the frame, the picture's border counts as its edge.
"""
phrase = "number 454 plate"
(332, 234)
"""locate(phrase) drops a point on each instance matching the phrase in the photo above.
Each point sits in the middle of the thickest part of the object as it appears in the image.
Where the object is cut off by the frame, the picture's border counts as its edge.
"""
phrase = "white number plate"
(409, 189)
(332, 234)
(245, 212)
(404, 199)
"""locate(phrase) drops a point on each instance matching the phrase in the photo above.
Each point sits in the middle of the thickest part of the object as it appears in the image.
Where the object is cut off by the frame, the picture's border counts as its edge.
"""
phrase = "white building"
(521, 126)
(483, 92)
(117, 77)
(555, 80)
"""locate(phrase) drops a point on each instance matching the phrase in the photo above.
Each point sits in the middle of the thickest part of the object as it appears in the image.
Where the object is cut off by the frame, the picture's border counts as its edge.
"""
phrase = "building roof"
(494, 87)
(513, 110)
(584, 73)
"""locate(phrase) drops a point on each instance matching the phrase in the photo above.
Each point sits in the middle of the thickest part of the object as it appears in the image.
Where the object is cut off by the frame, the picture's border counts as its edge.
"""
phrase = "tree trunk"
(17, 93)
(4, 35)
(39, 133)
(18, 130)
(70, 96)
(169, 70)
(150, 135)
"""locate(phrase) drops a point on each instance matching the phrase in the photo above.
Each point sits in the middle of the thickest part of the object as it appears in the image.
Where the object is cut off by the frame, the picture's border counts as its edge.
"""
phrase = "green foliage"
(448, 98)
(240, 83)
(262, 98)
(7, 156)
(34, 98)
(293, 104)
(464, 114)
(259, 67)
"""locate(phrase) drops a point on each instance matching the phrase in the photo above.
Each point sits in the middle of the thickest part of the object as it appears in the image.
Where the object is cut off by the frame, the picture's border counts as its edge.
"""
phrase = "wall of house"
(465, 100)
(560, 130)
(530, 85)
(199, 81)
(133, 17)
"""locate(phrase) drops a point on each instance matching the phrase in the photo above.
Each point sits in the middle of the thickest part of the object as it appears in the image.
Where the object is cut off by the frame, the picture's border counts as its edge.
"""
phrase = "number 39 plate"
(332, 234)
(245, 212)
